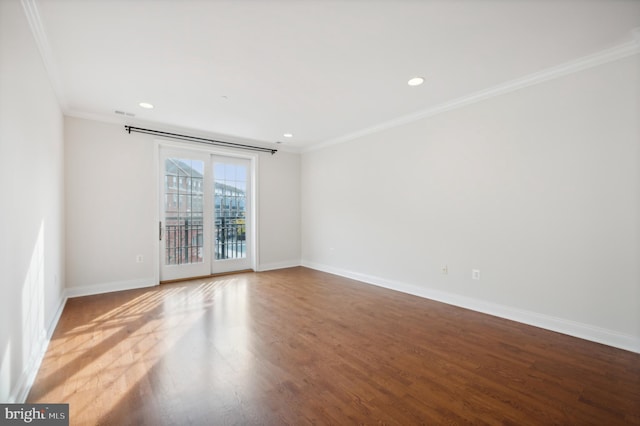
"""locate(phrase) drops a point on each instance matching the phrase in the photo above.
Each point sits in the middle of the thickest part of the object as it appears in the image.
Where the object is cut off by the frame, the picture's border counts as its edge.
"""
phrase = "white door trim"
(213, 150)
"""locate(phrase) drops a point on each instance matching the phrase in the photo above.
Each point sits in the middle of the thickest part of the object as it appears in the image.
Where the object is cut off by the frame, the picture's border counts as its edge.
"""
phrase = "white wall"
(31, 206)
(538, 189)
(279, 210)
(111, 211)
(110, 204)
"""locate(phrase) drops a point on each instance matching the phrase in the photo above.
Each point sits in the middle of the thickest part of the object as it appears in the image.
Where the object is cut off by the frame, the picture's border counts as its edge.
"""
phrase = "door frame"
(211, 150)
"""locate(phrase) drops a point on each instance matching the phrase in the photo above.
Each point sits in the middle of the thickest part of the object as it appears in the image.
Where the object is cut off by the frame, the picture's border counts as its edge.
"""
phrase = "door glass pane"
(184, 211)
(230, 214)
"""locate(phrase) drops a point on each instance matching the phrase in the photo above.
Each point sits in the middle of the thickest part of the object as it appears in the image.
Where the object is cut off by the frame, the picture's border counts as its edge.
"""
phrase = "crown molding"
(102, 118)
(131, 121)
(605, 56)
(39, 34)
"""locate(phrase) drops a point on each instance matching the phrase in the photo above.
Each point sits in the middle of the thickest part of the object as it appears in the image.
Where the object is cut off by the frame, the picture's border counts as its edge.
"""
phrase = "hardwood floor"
(298, 346)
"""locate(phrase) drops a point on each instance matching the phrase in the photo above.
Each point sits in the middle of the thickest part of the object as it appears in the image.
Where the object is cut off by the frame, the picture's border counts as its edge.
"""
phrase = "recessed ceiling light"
(146, 105)
(415, 81)
(288, 135)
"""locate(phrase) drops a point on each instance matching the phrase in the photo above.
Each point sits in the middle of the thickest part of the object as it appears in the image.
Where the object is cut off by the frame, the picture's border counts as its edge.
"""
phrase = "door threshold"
(202, 277)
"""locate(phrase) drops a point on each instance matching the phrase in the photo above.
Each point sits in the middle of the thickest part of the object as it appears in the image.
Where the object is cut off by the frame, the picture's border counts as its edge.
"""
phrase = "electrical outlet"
(475, 274)
(139, 258)
(444, 269)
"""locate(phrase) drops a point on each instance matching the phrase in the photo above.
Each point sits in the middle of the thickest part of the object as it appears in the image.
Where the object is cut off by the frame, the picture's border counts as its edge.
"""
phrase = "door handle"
(160, 230)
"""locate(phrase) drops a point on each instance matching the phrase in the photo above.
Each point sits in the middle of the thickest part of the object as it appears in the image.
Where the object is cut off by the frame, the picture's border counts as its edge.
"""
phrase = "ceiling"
(319, 69)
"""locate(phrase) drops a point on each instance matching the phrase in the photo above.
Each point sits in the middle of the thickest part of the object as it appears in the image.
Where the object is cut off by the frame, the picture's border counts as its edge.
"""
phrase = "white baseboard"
(560, 325)
(109, 287)
(28, 376)
(278, 265)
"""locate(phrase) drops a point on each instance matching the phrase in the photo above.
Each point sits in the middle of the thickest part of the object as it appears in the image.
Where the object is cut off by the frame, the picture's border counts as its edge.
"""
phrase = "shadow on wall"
(25, 327)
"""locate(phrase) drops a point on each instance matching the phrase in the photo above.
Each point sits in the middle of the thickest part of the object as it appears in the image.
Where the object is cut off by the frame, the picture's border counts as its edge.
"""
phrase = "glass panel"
(184, 211)
(218, 171)
(241, 173)
(230, 211)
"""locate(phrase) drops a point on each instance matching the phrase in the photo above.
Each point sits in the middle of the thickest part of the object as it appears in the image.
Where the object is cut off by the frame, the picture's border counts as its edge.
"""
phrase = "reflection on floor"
(298, 346)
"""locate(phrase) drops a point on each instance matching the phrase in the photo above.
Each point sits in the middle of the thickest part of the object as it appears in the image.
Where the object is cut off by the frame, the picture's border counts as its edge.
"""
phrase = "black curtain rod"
(130, 129)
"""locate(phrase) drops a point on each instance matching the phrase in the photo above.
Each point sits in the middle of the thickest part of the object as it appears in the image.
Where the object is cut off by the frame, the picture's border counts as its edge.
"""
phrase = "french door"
(205, 214)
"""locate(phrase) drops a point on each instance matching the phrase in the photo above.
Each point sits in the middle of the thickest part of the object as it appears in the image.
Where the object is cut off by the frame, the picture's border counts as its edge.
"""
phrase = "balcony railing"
(184, 241)
(230, 238)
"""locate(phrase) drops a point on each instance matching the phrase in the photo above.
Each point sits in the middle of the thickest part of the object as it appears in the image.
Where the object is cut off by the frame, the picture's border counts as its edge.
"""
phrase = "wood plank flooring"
(298, 346)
